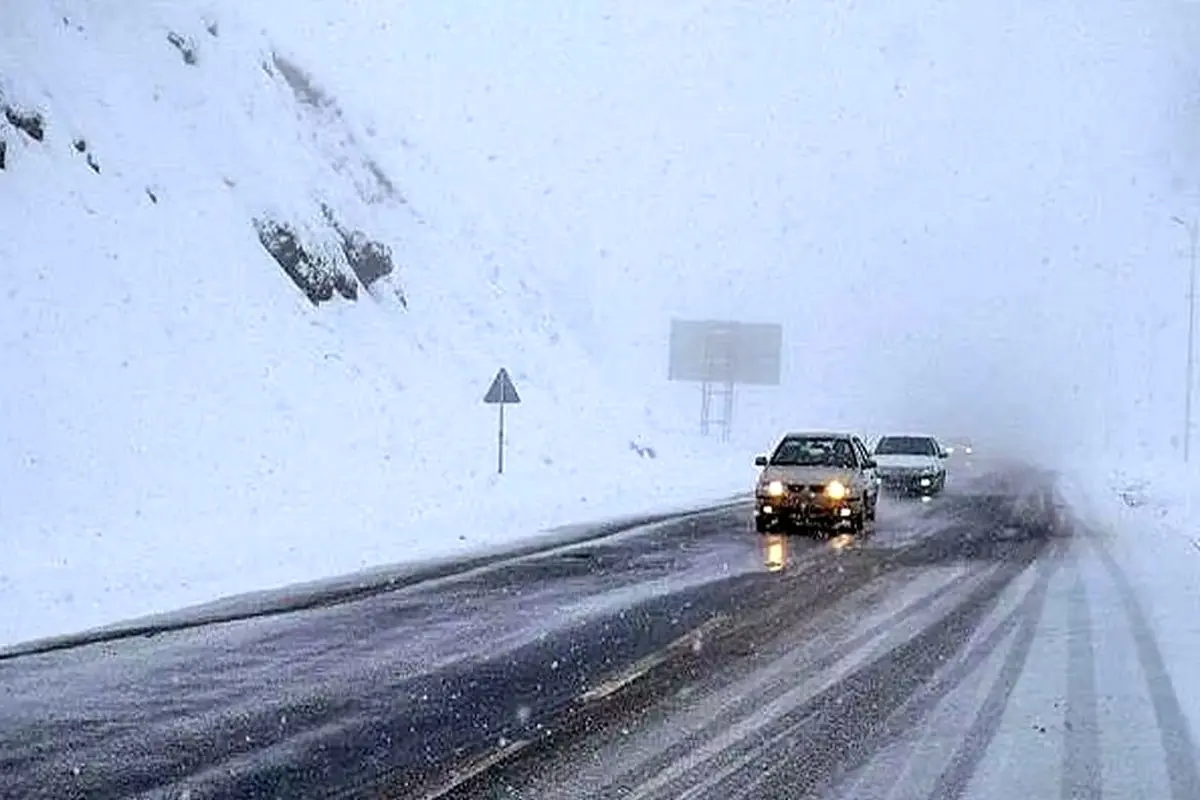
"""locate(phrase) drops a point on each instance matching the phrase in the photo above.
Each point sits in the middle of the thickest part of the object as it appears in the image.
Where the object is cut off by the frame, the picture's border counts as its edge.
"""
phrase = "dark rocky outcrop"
(80, 145)
(645, 451)
(185, 46)
(316, 275)
(31, 123)
(370, 259)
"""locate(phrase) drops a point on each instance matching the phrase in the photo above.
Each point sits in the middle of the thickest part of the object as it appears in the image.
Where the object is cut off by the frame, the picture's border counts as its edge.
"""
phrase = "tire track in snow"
(1039, 509)
(956, 778)
(808, 742)
(945, 545)
(1081, 772)
(1022, 620)
(736, 721)
(1175, 734)
(866, 703)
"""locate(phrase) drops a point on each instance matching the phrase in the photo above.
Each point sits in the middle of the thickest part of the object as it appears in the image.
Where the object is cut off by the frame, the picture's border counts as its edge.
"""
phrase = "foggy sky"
(958, 211)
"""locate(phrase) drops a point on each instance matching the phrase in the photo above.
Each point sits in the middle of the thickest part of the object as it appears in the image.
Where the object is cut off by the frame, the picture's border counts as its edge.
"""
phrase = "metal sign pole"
(500, 444)
(1194, 232)
(729, 391)
(501, 393)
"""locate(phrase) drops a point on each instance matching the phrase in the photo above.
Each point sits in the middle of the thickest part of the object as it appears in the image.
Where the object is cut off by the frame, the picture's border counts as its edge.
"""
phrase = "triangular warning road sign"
(502, 390)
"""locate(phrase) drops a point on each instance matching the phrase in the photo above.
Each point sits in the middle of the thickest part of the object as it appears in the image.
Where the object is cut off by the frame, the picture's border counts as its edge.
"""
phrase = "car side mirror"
(760, 461)
(871, 463)
(943, 454)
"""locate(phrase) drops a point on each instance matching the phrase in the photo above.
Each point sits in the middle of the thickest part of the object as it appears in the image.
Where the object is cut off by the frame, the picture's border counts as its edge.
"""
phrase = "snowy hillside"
(183, 415)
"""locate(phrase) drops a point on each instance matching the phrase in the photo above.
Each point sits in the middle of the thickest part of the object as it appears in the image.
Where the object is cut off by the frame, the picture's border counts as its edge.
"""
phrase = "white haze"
(959, 211)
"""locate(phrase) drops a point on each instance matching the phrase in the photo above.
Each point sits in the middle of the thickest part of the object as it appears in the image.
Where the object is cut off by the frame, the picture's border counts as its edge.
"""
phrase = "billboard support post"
(720, 355)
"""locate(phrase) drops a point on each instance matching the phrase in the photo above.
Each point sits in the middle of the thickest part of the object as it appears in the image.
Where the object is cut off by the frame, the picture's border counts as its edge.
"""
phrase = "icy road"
(983, 645)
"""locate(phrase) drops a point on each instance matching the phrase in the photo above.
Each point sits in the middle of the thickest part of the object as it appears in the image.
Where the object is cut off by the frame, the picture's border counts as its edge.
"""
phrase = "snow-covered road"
(1007, 652)
(989, 644)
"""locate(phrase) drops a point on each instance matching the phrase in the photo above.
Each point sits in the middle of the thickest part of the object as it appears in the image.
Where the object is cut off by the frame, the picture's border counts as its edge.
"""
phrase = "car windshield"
(906, 446)
(814, 451)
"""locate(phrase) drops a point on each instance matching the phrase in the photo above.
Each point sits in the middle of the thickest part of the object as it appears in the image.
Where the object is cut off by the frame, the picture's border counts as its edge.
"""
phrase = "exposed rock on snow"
(370, 259)
(31, 123)
(316, 274)
(185, 46)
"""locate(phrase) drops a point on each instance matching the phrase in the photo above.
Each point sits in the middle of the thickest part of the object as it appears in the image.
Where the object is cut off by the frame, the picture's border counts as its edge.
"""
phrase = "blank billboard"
(714, 351)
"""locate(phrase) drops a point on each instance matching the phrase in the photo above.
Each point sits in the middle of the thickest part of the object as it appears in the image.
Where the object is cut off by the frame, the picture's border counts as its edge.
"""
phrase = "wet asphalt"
(630, 666)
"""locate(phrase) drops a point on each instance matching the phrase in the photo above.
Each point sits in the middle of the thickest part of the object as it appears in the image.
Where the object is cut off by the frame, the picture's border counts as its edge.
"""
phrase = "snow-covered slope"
(178, 417)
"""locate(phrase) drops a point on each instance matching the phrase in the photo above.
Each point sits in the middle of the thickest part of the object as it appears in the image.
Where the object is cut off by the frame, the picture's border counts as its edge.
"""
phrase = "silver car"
(816, 480)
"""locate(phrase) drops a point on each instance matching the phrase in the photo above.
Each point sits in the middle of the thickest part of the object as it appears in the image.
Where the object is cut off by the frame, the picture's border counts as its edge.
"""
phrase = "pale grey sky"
(946, 201)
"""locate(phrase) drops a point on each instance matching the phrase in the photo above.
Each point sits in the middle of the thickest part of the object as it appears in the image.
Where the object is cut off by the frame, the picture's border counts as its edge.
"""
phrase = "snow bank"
(1161, 495)
(1147, 515)
(207, 390)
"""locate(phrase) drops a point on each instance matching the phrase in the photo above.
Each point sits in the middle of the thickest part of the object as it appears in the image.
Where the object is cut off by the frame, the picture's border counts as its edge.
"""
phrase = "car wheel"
(762, 524)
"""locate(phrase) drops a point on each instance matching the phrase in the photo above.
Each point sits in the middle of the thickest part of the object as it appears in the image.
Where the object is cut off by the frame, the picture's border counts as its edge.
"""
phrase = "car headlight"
(836, 490)
(775, 489)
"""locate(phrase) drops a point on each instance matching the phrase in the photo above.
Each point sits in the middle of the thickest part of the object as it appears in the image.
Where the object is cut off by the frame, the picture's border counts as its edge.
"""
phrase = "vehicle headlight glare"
(836, 490)
(775, 489)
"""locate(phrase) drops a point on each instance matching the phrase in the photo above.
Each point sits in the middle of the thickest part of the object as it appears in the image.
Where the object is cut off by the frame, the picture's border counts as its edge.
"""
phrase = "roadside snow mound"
(1145, 515)
(1163, 495)
(236, 352)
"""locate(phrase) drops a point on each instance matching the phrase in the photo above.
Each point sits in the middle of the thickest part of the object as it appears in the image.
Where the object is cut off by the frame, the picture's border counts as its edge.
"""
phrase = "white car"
(960, 448)
(911, 464)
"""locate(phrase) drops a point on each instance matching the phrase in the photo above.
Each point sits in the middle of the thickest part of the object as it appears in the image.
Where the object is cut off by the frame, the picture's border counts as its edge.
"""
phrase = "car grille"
(906, 478)
(802, 488)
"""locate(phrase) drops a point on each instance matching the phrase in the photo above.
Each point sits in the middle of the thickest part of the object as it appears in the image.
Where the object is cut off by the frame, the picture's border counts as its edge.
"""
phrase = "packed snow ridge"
(245, 343)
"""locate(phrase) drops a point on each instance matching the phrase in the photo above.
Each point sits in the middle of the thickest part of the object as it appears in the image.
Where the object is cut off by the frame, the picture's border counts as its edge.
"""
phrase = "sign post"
(501, 393)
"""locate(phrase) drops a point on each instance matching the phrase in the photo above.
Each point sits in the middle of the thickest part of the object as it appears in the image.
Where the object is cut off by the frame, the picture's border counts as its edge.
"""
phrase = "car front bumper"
(911, 482)
(807, 511)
